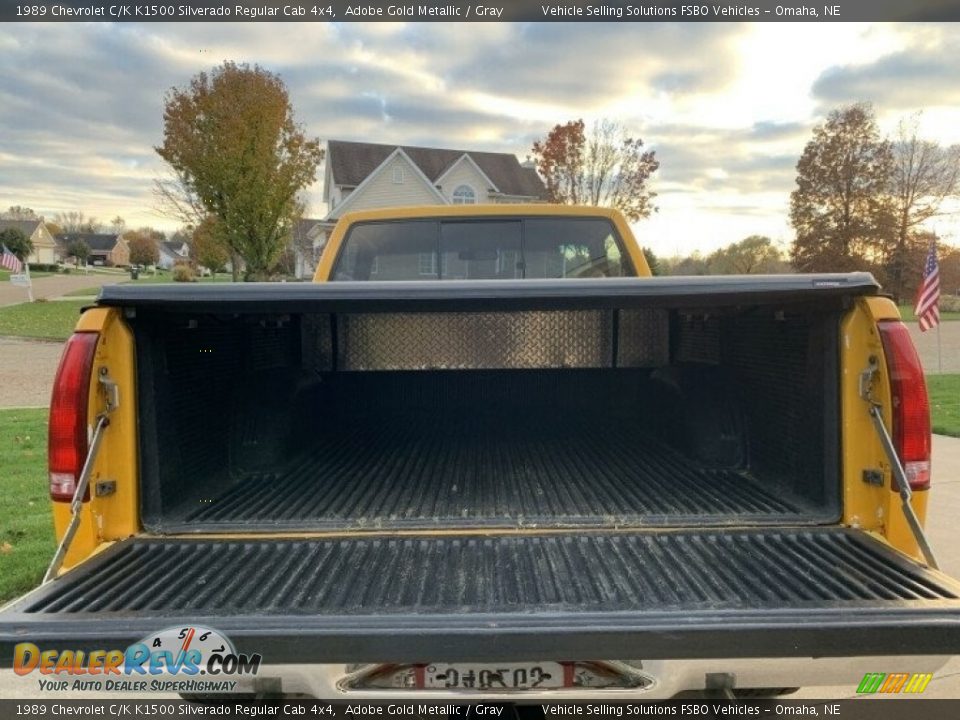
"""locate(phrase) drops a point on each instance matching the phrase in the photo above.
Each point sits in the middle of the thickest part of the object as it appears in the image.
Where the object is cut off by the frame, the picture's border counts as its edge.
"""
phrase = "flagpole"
(939, 353)
(26, 270)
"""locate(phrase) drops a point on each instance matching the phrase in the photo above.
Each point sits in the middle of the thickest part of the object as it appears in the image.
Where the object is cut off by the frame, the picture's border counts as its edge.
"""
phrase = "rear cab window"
(482, 249)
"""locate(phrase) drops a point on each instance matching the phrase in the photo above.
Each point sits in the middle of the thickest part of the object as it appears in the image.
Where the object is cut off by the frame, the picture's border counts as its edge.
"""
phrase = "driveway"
(56, 285)
(949, 346)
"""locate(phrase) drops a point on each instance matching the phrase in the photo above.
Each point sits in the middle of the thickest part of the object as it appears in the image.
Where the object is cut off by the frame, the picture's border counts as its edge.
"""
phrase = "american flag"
(928, 296)
(10, 261)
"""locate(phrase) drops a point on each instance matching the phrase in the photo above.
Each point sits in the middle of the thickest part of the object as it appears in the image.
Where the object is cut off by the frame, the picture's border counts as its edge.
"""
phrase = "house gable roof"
(27, 227)
(397, 152)
(352, 162)
(465, 158)
(97, 242)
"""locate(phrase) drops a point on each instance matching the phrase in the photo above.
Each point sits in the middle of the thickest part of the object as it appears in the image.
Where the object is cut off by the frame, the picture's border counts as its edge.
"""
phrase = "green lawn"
(906, 312)
(945, 403)
(26, 525)
(165, 277)
(47, 320)
(5, 275)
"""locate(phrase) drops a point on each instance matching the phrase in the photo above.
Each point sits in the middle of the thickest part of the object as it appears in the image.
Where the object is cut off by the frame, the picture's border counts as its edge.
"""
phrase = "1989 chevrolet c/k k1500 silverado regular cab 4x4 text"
(486, 453)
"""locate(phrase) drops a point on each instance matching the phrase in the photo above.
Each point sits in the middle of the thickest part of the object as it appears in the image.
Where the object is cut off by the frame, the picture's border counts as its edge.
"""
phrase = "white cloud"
(728, 107)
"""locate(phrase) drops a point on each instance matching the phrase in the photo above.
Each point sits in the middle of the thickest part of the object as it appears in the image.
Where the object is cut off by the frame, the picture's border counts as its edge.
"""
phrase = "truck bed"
(555, 595)
(431, 471)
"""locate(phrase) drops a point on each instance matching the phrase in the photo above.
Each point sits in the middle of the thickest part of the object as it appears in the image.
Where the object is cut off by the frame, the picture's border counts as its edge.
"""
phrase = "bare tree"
(925, 174)
(605, 167)
(17, 212)
(74, 221)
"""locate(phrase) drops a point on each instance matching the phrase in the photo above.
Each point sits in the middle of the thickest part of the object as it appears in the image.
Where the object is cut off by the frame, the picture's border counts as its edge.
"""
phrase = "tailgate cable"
(76, 504)
(876, 415)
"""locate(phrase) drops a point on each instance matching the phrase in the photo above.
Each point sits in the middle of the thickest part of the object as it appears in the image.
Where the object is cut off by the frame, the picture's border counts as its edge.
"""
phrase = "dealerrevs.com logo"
(190, 659)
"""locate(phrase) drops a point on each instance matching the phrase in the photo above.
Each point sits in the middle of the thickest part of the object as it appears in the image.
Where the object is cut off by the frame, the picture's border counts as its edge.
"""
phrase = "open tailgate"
(620, 594)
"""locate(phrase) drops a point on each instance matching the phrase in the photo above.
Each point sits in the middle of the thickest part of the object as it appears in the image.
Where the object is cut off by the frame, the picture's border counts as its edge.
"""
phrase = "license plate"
(494, 676)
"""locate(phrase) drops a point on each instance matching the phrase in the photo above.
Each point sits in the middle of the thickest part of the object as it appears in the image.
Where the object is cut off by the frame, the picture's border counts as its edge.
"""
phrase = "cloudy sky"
(727, 107)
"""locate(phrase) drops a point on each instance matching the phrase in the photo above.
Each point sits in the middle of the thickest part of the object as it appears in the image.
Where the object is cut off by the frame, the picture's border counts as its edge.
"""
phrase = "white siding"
(464, 173)
(381, 191)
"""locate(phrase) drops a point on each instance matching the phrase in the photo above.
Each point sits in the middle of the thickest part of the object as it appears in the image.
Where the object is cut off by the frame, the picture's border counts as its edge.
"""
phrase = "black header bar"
(490, 11)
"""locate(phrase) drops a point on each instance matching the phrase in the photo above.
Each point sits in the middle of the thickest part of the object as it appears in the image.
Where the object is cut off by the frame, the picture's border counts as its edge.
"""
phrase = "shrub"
(183, 273)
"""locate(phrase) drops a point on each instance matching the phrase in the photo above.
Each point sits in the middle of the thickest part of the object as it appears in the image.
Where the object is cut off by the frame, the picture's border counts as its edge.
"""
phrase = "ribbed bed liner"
(663, 571)
(437, 472)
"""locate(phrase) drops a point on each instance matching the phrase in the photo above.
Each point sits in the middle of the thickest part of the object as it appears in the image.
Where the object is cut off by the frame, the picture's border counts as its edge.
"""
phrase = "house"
(172, 252)
(307, 241)
(44, 244)
(105, 248)
(362, 176)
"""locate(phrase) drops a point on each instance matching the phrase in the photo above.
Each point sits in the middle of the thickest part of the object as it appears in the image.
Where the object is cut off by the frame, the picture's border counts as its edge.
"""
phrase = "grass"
(162, 278)
(42, 320)
(906, 312)
(26, 525)
(5, 275)
(945, 403)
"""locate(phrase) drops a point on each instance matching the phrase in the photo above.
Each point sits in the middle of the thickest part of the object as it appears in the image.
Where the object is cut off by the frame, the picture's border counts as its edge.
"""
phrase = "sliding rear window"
(489, 249)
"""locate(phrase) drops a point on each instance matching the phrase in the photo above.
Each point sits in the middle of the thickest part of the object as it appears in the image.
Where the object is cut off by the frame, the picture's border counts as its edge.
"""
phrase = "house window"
(464, 195)
(398, 176)
(428, 263)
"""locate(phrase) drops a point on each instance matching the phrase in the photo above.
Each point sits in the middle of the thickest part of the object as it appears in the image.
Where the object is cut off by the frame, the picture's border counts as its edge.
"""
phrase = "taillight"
(67, 443)
(910, 405)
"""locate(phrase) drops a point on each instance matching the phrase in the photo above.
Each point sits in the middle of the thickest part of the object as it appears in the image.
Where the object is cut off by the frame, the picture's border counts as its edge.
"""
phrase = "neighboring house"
(307, 241)
(105, 248)
(172, 252)
(361, 176)
(44, 244)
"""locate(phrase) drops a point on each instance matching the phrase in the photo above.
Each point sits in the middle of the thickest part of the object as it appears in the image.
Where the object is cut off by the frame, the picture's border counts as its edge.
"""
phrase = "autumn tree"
(118, 225)
(605, 167)
(17, 242)
(753, 255)
(925, 174)
(841, 210)
(236, 153)
(143, 248)
(208, 245)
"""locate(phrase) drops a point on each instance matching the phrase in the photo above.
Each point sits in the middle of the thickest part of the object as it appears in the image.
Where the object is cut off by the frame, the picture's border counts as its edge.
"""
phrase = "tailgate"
(593, 595)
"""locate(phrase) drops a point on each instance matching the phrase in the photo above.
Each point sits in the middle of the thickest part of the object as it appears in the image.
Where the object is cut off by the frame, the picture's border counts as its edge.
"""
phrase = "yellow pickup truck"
(485, 452)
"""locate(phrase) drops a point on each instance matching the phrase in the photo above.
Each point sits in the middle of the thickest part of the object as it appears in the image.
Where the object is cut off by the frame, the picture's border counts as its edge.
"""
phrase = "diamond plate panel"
(475, 341)
(317, 342)
(644, 338)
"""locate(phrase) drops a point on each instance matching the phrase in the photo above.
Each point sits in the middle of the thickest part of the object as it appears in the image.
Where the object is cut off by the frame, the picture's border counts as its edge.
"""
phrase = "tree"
(693, 264)
(17, 242)
(118, 225)
(208, 245)
(236, 153)
(16, 212)
(608, 167)
(79, 251)
(753, 255)
(924, 176)
(74, 221)
(652, 261)
(143, 248)
(841, 210)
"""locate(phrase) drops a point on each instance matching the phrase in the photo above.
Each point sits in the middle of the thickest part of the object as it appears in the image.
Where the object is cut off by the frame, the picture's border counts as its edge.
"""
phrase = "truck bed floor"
(431, 473)
(483, 597)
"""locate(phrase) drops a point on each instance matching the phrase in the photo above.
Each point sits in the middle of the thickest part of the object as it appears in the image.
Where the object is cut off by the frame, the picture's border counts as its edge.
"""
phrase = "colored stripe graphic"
(892, 683)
